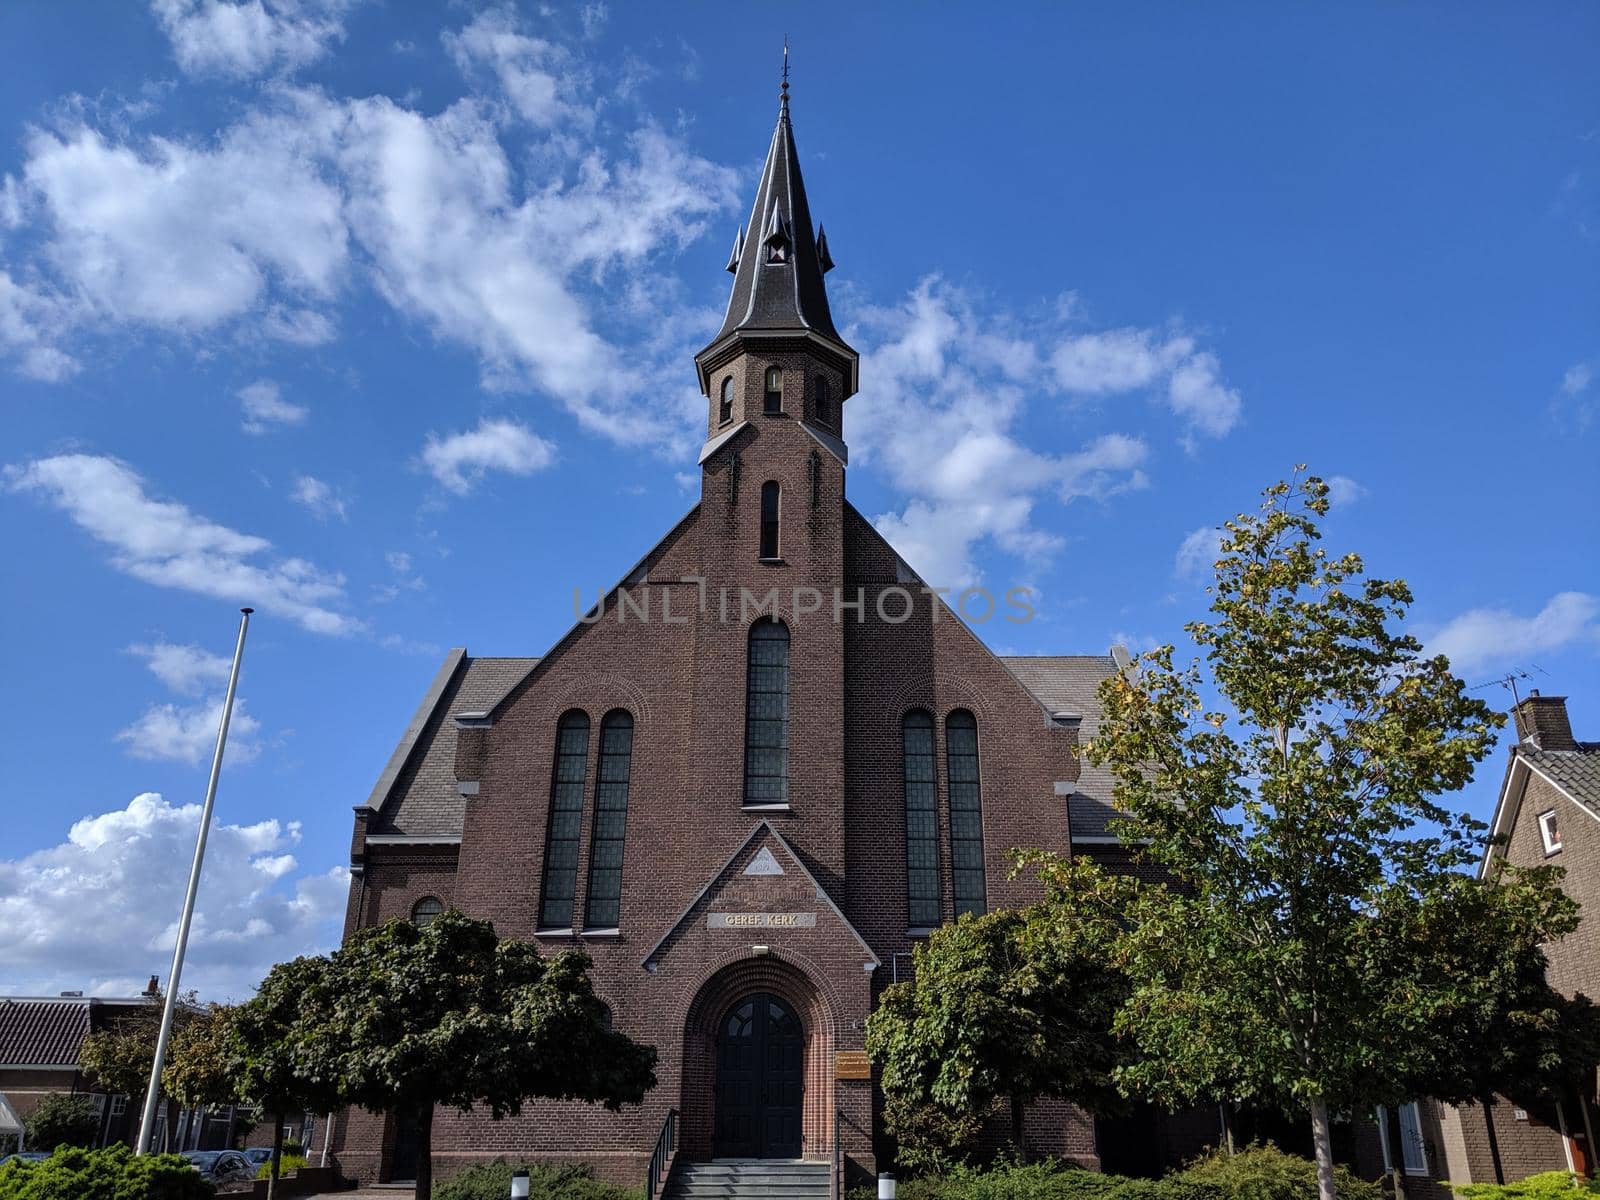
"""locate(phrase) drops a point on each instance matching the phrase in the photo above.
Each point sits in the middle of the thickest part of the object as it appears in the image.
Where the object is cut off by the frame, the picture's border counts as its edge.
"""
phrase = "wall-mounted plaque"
(761, 920)
(852, 1064)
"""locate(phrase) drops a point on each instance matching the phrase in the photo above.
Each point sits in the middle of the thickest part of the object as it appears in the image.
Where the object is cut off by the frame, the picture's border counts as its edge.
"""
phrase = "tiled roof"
(42, 1033)
(423, 798)
(1576, 772)
(1069, 683)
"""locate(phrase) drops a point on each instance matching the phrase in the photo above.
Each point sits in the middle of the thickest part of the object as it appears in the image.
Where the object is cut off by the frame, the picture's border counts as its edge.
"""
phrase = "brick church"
(747, 782)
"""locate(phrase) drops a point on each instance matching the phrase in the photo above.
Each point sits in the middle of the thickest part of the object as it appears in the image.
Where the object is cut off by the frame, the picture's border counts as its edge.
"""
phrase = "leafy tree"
(62, 1120)
(199, 1072)
(1010, 1006)
(404, 1018)
(1298, 817)
(261, 1046)
(120, 1056)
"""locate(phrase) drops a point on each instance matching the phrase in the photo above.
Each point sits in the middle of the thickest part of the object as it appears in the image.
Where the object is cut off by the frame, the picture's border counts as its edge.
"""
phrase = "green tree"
(1297, 815)
(199, 1072)
(263, 1049)
(62, 1120)
(405, 1018)
(120, 1055)
(1007, 1007)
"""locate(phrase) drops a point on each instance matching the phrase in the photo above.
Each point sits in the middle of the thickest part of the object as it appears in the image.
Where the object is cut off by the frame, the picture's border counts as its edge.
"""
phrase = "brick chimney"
(153, 988)
(1542, 722)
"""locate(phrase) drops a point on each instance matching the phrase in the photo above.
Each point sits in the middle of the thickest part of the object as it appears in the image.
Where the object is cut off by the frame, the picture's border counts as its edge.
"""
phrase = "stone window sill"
(602, 934)
(920, 931)
(552, 933)
(768, 808)
(771, 562)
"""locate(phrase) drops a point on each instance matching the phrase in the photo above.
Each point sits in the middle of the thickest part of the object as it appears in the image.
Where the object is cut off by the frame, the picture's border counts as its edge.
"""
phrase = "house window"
(824, 402)
(772, 399)
(567, 779)
(1550, 832)
(426, 911)
(766, 715)
(966, 812)
(725, 406)
(770, 495)
(610, 821)
(1413, 1149)
(922, 821)
(119, 1105)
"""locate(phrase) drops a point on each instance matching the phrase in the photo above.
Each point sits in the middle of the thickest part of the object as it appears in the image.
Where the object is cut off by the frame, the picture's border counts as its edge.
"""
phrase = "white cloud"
(187, 669)
(1575, 394)
(1485, 637)
(946, 390)
(264, 407)
(1197, 552)
(321, 499)
(29, 322)
(528, 70)
(1576, 379)
(187, 733)
(244, 38)
(1197, 394)
(129, 868)
(1343, 490)
(405, 579)
(162, 542)
(1117, 360)
(460, 461)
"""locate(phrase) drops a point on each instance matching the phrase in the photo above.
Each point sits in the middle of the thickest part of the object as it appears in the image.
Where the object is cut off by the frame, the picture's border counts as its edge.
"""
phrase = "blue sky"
(380, 316)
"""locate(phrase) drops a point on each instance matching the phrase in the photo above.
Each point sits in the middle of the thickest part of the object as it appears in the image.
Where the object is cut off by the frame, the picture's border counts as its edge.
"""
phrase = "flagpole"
(152, 1093)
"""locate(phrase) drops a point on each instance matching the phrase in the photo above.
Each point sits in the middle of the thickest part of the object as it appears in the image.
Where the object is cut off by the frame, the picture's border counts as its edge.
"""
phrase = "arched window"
(766, 715)
(770, 496)
(725, 406)
(824, 402)
(772, 399)
(966, 812)
(610, 822)
(567, 779)
(426, 911)
(922, 821)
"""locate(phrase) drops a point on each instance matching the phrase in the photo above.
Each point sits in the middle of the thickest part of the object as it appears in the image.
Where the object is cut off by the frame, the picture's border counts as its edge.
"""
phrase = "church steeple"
(778, 261)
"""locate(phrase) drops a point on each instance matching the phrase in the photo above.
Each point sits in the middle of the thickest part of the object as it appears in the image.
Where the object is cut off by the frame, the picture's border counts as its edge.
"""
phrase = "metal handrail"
(838, 1157)
(661, 1157)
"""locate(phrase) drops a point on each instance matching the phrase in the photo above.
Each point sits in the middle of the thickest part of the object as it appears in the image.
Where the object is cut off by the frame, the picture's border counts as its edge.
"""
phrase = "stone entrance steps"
(750, 1179)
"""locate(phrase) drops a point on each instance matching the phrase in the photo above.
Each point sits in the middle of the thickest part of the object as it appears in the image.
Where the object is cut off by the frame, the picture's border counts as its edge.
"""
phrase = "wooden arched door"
(760, 1080)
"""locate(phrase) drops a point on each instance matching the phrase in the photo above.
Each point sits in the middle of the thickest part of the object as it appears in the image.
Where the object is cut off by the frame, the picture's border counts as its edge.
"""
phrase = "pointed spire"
(778, 265)
(733, 259)
(824, 259)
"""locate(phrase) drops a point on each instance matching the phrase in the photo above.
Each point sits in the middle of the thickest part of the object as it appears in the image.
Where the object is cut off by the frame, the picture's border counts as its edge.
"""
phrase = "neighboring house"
(748, 813)
(1548, 812)
(41, 1040)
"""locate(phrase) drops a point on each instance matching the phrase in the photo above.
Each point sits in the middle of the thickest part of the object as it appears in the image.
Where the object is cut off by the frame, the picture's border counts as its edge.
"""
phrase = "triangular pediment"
(763, 885)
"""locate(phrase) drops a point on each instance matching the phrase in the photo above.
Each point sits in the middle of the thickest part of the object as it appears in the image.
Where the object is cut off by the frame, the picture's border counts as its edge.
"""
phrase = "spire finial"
(784, 91)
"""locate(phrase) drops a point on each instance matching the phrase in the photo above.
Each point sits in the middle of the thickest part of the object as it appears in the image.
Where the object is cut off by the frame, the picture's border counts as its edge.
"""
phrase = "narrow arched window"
(426, 911)
(610, 822)
(966, 812)
(922, 821)
(725, 406)
(567, 780)
(824, 402)
(766, 715)
(770, 496)
(772, 399)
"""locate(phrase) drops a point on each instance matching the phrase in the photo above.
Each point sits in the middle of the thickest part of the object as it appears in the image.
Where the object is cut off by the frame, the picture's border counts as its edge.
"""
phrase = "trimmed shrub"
(1048, 1180)
(286, 1162)
(492, 1181)
(110, 1174)
(62, 1120)
(1552, 1185)
(1263, 1172)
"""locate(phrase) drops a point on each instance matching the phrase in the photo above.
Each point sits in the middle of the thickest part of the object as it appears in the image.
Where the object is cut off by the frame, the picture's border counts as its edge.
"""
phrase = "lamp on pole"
(153, 1093)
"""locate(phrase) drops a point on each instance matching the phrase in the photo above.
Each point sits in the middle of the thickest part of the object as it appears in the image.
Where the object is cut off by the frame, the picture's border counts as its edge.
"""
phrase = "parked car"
(259, 1155)
(25, 1156)
(222, 1167)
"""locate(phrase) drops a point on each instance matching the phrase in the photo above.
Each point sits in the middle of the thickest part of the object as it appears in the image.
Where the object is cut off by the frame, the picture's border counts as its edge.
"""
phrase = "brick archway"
(723, 989)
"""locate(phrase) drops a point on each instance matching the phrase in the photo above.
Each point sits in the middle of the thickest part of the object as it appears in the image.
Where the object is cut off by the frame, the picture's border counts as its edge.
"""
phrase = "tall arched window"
(824, 402)
(567, 780)
(966, 812)
(770, 495)
(766, 715)
(725, 405)
(922, 821)
(772, 399)
(610, 822)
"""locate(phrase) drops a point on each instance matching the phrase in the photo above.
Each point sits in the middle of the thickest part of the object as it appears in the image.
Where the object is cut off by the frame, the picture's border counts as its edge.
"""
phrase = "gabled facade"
(767, 764)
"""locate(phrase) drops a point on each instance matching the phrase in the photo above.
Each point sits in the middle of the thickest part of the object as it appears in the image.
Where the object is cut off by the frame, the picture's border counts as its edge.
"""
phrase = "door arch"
(760, 1079)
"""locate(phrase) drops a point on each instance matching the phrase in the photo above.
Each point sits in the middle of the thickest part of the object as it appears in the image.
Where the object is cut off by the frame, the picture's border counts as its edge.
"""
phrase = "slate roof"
(1068, 683)
(1576, 772)
(42, 1032)
(780, 295)
(421, 798)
